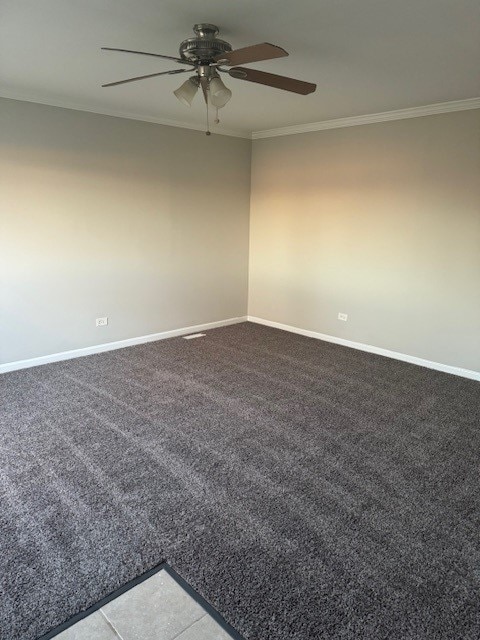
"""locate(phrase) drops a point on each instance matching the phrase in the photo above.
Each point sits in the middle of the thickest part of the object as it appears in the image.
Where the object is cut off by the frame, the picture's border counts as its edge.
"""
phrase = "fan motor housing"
(205, 46)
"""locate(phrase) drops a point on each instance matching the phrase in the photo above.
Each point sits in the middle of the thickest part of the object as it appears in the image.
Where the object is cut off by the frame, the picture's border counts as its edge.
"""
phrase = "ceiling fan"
(206, 55)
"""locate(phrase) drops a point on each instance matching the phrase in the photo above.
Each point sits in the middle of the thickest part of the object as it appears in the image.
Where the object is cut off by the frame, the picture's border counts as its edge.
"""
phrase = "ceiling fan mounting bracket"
(206, 30)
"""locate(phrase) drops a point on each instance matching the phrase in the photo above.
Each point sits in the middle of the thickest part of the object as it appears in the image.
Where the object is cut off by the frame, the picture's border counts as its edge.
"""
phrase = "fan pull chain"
(217, 119)
(207, 132)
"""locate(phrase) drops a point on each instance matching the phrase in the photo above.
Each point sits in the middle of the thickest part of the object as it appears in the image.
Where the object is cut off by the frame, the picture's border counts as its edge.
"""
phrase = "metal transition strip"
(133, 583)
(203, 603)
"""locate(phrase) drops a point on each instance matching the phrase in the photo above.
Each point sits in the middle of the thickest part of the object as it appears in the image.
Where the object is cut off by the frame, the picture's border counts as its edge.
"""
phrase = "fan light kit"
(207, 56)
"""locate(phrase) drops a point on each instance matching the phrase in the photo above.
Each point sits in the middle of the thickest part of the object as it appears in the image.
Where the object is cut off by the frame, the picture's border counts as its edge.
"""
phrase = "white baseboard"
(119, 344)
(446, 368)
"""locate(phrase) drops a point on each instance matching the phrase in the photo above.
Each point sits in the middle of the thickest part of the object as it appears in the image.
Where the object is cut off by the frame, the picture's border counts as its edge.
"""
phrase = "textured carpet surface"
(306, 490)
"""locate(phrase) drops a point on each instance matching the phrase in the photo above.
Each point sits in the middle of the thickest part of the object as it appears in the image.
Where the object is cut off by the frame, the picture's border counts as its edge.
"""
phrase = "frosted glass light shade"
(187, 92)
(219, 93)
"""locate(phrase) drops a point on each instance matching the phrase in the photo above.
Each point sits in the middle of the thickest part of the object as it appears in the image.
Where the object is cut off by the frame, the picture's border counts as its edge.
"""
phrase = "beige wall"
(381, 222)
(103, 216)
(142, 223)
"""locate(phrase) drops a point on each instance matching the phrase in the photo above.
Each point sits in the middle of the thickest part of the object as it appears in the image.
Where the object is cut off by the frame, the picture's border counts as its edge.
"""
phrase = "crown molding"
(119, 114)
(385, 116)
(337, 123)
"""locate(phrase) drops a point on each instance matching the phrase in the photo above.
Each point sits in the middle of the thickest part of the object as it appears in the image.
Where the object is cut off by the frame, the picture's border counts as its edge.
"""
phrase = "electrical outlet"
(343, 316)
(101, 322)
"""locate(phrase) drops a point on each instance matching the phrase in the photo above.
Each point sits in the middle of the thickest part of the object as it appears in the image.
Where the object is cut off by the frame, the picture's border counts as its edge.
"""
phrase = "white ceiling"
(366, 56)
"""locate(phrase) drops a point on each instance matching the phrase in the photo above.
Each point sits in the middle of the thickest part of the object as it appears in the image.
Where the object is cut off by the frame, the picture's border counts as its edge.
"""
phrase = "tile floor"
(156, 609)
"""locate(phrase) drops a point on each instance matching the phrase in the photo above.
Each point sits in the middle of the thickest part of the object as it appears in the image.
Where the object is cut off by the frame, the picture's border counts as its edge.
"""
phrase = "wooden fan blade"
(145, 53)
(272, 80)
(255, 53)
(150, 75)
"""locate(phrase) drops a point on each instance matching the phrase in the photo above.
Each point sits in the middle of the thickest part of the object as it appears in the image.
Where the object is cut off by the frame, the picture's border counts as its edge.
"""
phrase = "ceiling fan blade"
(272, 80)
(150, 75)
(254, 53)
(145, 53)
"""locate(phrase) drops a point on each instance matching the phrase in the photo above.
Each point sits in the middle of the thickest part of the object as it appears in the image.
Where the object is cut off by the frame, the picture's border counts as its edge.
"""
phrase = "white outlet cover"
(343, 316)
(101, 322)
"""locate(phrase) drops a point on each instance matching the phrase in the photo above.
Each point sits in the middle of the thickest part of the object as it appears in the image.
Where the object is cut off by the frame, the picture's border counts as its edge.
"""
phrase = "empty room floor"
(304, 489)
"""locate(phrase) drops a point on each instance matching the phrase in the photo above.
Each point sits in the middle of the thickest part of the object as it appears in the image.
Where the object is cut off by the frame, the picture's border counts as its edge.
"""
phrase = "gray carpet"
(306, 490)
